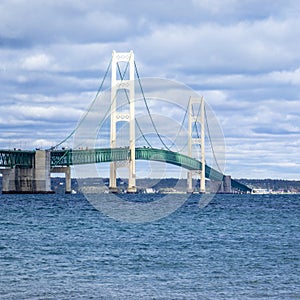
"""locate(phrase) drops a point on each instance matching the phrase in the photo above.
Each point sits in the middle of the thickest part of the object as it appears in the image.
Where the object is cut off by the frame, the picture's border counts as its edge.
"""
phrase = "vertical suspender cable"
(210, 141)
(137, 123)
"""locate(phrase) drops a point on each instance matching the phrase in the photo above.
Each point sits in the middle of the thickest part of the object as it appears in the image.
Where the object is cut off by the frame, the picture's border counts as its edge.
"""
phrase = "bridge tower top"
(121, 57)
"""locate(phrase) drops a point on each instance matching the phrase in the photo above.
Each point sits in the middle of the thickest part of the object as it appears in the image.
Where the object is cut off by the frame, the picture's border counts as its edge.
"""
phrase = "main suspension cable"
(89, 109)
(179, 130)
(210, 141)
(148, 110)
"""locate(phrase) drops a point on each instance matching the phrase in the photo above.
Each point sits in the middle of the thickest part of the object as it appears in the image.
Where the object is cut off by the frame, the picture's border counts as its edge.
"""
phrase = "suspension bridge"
(101, 136)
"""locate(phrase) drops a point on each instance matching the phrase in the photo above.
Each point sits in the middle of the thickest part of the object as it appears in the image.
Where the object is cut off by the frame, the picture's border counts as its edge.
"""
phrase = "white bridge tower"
(194, 120)
(117, 116)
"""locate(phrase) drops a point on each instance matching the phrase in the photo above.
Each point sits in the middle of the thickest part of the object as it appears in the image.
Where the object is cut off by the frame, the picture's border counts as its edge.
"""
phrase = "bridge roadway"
(69, 157)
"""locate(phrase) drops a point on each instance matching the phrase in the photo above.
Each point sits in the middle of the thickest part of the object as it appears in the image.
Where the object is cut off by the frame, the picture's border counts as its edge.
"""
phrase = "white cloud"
(286, 77)
(36, 62)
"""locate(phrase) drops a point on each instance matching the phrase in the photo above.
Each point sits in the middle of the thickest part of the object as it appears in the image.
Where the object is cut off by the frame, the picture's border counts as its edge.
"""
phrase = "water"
(238, 247)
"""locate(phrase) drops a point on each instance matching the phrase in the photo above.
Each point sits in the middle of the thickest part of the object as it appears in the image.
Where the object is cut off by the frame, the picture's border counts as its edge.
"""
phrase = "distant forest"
(269, 184)
(272, 184)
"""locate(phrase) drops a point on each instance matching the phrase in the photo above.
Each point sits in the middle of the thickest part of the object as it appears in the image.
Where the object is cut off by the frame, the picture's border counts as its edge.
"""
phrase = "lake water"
(237, 247)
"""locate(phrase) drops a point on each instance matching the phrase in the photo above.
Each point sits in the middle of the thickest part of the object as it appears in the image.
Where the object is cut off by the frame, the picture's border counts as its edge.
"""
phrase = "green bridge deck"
(69, 157)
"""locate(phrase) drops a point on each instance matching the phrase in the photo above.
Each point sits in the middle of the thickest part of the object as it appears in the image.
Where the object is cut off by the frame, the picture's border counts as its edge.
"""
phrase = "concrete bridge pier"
(17, 180)
(6, 174)
(227, 184)
(42, 180)
(221, 186)
(190, 188)
(28, 180)
(67, 172)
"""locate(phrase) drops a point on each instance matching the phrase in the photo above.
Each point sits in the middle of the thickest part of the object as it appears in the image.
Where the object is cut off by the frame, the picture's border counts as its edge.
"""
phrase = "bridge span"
(29, 171)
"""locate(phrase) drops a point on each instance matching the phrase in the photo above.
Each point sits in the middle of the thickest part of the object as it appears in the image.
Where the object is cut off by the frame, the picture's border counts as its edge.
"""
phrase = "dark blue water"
(238, 247)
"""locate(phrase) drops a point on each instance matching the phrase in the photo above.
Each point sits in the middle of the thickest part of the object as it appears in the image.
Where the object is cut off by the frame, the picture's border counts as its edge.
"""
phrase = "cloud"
(36, 62)
(210, 48)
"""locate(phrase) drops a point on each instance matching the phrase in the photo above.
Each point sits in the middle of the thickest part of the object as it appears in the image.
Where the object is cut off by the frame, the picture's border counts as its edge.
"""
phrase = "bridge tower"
(194, 119)
(117, 116)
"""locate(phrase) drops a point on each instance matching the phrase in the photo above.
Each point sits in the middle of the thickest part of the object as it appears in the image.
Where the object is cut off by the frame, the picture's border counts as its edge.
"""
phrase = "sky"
(242, 56)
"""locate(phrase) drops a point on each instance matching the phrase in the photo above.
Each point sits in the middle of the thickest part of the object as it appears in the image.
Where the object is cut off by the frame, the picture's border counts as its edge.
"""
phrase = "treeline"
(180, 184)
(272, 184)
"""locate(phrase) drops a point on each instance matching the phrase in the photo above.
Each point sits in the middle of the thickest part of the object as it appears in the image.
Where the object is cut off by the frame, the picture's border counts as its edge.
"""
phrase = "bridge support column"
(227, 184)
(189, 182)
(127, 116)
(7, 178)
(42, 179)
(24, 180)
(67, 172)
(194, 120)
(17, 181)
(68, 181)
